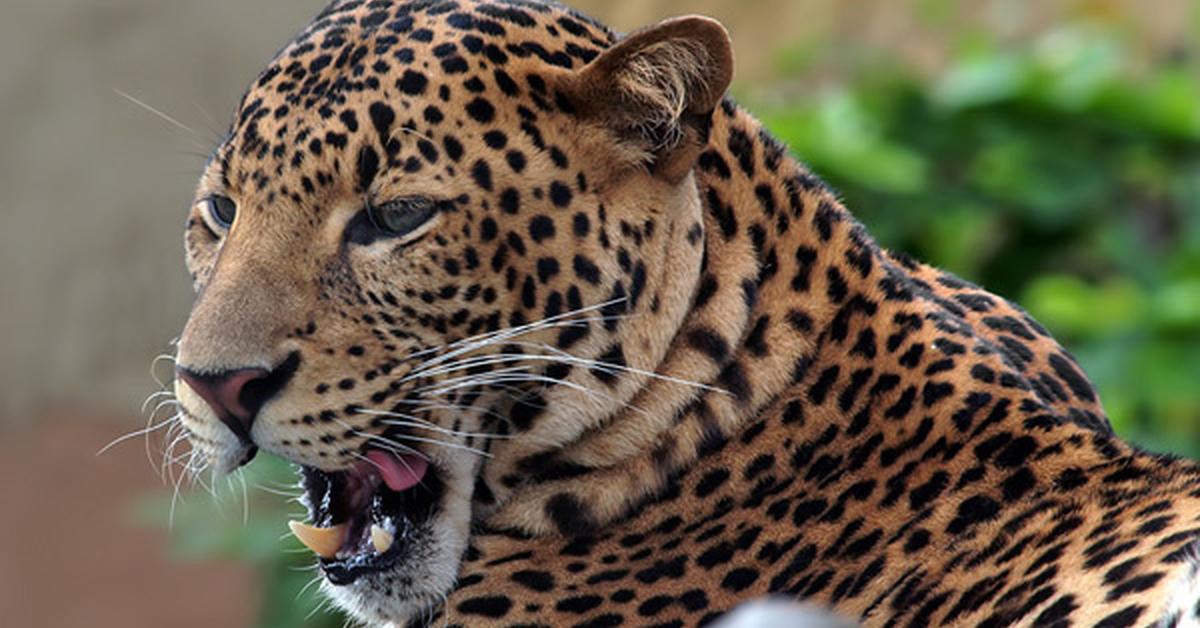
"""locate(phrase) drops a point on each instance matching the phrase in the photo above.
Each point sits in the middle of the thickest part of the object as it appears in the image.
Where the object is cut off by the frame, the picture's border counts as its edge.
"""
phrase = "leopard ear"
(656, 91)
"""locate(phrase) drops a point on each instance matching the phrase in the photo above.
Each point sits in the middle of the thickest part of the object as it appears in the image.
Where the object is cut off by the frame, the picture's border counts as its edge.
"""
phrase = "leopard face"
(422, 213)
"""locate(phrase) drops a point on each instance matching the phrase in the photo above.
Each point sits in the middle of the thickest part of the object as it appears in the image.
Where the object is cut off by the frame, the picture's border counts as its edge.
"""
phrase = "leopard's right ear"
(656, 90)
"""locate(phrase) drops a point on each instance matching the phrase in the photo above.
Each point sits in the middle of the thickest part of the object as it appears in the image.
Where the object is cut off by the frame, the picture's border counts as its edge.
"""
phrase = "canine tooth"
(381, 539)
(324, 542)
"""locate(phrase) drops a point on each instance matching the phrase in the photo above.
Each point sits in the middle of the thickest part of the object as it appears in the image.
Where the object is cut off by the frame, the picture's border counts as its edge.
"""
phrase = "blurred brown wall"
(93, 187)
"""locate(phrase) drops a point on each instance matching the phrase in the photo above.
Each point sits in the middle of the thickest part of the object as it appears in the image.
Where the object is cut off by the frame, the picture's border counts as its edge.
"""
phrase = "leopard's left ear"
(656, 90)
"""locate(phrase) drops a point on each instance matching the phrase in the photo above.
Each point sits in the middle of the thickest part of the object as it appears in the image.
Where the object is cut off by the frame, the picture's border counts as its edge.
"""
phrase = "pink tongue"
(399, 471)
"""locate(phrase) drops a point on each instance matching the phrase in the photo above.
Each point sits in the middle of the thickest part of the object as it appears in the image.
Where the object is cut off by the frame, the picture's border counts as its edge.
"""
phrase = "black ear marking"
(571, 516)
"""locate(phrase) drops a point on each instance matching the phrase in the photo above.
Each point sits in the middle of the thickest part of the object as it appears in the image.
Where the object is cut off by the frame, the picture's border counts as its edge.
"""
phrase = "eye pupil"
(402, 216)
(223, 210)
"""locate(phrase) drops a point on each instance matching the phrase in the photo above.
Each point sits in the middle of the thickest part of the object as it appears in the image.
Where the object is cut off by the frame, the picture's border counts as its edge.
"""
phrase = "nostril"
(259, 390)
(237, 395)
(225, 393)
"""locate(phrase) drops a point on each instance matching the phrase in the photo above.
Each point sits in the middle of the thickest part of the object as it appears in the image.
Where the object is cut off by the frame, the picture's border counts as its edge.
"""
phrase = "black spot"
(586, 270)
(319, 63)
(373, 20)
(609, 365)
(655, 605)
(579, 604)
(733, 379)
(560, 194)
(820, 389)
(917, 541)
(508, 14)
(1073, 378)
(708, 287)
(1018, 484)
(724, 213)
(824, 218)
(922, 495)
(547, 267)
(712, 161)
(433, 115)
(525, 410)
(336, 140)
(516, 160)
(710, 343)
(368, 166)
(973, 510)
(580, 224)
(836, 287)
(517, 244)
(739, 579)
(495, 139)
(1127, 616)
(933, 392)
(1016, 452)
(453, 147)
(481, 110)
(482, 174)
(711, 482)
(540, 581)
(572, 334)
(742, 149)
(412, 83)
(800, 321)
(350, 120)
(503, 80)
(528, 293)
(454, 65)
(541, 228)
(495, 606)
(382, 118)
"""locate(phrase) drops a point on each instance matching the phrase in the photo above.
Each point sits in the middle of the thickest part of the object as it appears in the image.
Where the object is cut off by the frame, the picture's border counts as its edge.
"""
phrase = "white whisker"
(418, 423)
(500, 335)
(275, 491)
(241, 476)
(154, 111)
(146, 431)
(308, 586)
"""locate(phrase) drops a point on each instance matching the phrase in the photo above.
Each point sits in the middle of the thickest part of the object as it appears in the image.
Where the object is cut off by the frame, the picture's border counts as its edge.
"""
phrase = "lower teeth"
(381, 539)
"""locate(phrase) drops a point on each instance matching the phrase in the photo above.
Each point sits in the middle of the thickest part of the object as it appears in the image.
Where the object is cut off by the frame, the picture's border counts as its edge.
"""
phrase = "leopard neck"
(741, 344)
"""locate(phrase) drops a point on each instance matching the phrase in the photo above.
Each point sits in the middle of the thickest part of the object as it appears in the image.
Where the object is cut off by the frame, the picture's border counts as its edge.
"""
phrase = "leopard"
(557, 334)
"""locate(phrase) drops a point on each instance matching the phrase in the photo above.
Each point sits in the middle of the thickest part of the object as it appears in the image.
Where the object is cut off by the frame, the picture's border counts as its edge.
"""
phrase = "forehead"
(376, 67)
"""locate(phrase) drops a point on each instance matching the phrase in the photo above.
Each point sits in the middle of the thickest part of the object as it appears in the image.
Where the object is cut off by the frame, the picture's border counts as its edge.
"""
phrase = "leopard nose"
(236, 395)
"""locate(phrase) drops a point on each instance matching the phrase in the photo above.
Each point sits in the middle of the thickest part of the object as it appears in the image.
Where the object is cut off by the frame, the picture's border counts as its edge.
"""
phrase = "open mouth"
(364, 519)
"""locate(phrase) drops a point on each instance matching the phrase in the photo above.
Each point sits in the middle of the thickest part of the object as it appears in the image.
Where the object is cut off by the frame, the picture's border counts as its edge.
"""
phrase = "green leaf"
(982, 80)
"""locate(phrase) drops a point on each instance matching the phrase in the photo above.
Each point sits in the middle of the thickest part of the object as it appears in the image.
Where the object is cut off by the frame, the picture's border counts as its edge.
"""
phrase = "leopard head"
(434, 231)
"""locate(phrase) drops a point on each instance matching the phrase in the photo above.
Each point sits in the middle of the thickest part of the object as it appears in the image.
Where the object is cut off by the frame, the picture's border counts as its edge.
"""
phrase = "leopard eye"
(221, 209)
(402, 216)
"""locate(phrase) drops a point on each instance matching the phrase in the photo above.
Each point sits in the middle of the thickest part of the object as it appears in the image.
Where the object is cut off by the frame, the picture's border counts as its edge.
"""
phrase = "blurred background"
(1048, 150)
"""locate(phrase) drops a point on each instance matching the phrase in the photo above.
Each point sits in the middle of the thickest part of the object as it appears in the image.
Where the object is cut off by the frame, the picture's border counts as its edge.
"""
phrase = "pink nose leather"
(224, 392)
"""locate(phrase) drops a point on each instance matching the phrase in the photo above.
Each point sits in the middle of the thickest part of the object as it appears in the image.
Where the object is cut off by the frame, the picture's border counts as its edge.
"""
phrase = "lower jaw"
(386, 601)
(344, 571)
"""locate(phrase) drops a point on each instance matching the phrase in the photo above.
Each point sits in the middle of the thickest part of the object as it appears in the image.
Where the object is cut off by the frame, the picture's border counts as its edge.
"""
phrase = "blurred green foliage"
(244, 518)
(1055, 175)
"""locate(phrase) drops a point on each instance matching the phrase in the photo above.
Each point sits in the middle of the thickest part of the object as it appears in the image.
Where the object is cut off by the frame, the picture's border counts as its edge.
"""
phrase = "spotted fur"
(697, 378)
